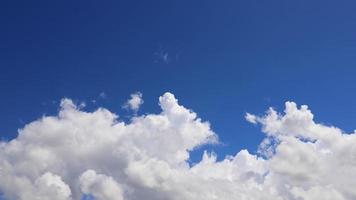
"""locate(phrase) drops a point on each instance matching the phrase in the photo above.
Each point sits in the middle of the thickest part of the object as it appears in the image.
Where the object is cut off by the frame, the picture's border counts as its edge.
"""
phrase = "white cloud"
(50, 185)
(251, 118)
(134, 102)
(63, 157)
(100, 186)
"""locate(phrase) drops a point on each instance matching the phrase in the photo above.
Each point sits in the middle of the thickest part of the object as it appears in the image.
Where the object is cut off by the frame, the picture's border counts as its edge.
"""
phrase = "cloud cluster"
(94, 153)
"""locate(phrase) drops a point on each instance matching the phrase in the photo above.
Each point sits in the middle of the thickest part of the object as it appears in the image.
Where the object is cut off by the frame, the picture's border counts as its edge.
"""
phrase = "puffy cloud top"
(94, 153)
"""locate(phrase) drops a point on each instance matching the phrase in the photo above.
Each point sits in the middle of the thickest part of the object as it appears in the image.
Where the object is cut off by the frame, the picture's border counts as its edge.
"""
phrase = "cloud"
(102, 95)
(100, 186)
(80, 153)
(166, 57)
(134, 102)
(251, 118)
(162, 56)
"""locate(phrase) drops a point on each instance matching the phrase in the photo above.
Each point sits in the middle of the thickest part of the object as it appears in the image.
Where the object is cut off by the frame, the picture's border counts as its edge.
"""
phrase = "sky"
(220, 59)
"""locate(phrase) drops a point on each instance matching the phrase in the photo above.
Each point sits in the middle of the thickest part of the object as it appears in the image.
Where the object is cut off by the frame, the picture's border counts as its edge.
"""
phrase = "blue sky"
(220, 58)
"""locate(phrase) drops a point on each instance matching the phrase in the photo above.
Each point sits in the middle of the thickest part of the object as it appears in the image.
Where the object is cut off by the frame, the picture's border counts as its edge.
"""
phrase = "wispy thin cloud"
(164, 56)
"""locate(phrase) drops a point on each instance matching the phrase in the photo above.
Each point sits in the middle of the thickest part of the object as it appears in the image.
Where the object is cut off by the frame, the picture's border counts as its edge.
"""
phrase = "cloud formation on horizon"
(80, 153)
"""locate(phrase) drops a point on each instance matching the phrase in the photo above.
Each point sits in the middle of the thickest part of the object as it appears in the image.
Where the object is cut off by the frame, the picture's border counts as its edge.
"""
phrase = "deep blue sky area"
(220, 58)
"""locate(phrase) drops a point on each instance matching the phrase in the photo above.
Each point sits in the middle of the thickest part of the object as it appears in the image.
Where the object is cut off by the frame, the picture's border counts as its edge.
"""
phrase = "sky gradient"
(223, 58)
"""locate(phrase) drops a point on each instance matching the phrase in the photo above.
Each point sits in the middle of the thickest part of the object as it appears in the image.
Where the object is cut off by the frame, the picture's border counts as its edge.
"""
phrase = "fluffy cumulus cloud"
(134, 102)
(80, 153)
(100, 186)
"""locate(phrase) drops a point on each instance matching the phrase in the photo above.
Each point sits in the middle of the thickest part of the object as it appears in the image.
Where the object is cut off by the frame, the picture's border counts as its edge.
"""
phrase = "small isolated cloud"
(164, 56)
(134, 102)
(102, 95)
(77, 154)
